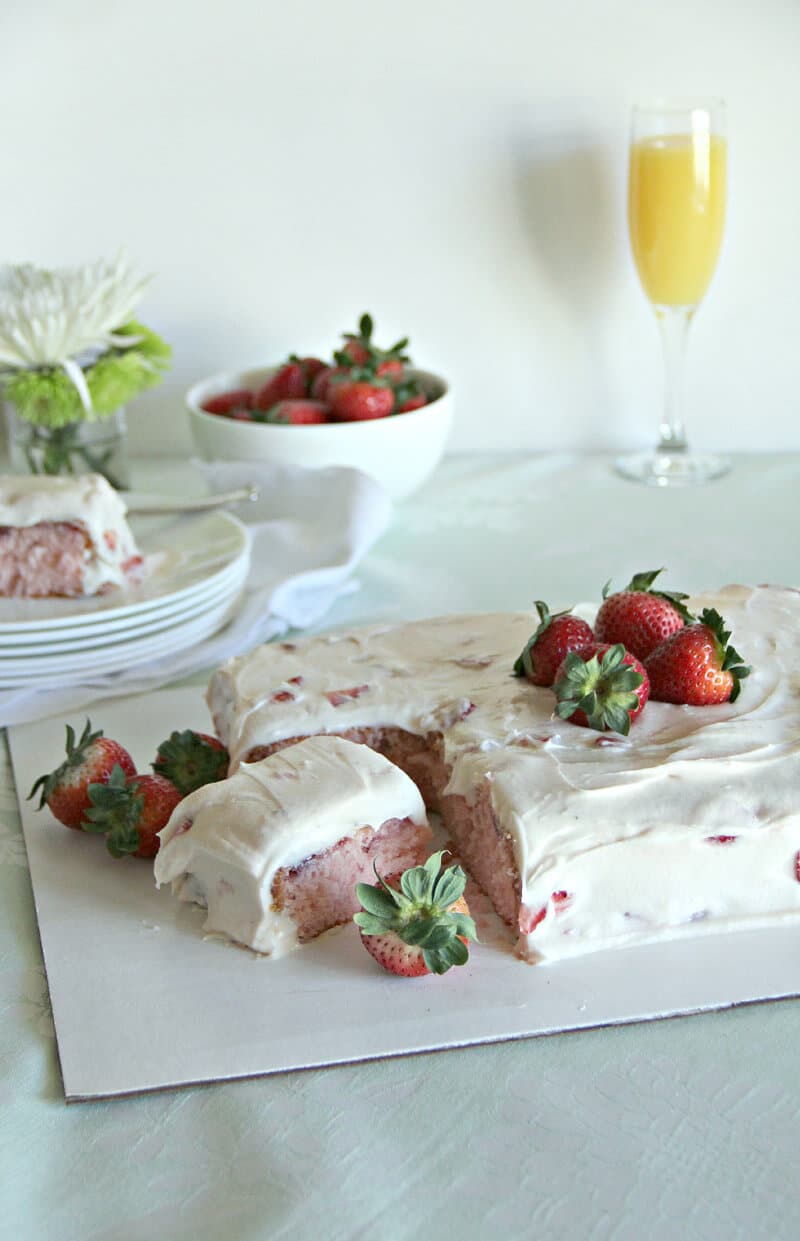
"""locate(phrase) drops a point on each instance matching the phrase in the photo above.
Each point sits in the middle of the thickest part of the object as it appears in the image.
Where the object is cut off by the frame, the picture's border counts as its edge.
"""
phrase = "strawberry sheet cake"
(582, 840)
(274, 852)
(64, 536)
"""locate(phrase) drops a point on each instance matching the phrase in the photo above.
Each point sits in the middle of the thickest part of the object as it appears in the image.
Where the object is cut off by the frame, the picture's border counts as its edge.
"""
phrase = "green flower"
(49, 398)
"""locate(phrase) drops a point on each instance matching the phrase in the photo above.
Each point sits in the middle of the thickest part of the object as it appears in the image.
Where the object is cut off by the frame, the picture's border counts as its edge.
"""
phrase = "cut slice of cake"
(275, 851)
(64, 536)
(582, 840)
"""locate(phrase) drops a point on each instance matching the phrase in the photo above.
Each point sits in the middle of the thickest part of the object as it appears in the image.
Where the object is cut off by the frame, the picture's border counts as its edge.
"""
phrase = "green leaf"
(464, 925)
(370, 924)
(426, 933)
(122, 840)
(439, 961)
(433, 865)
(416, 883)
(617, 718)
(458, 952)
(449, 887)
(628, 679)
(643, 581)
(522, 664)
(376, 900)
(612, 659)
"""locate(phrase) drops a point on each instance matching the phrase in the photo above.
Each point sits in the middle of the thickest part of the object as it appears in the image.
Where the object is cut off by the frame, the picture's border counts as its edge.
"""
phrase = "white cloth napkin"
(309, 530)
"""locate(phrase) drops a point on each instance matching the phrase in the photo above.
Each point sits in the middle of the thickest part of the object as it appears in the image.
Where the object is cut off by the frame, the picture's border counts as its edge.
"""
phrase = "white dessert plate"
(68, 641)
(119, 656)
(167, 1007)
(184, 555)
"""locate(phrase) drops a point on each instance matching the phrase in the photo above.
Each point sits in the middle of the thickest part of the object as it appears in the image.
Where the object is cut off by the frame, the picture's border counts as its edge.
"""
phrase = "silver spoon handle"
(198, 504)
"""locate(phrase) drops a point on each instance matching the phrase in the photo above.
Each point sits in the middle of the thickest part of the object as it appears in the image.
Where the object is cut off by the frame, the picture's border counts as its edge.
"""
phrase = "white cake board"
(142, 1001)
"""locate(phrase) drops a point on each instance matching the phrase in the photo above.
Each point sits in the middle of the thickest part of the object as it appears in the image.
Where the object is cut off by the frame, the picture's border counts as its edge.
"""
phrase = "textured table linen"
(676, 1129)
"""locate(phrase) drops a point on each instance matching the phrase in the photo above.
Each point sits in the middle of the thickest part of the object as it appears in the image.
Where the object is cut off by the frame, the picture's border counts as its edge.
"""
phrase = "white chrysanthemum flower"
(52, 318)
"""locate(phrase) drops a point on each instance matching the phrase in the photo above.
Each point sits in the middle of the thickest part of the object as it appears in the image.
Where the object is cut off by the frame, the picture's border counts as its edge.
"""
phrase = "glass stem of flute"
(673, 324)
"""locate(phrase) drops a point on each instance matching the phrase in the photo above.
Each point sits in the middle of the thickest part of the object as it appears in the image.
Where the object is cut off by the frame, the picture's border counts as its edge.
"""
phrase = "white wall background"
(455, 166)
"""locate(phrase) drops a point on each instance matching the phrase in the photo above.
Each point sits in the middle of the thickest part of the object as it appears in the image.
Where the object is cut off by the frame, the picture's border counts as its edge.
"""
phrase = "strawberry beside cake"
(582, 839)
(64, 536)
(274, 852)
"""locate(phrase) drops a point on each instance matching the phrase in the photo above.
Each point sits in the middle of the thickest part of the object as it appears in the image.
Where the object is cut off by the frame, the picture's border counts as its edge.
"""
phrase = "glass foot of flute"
(669, 468)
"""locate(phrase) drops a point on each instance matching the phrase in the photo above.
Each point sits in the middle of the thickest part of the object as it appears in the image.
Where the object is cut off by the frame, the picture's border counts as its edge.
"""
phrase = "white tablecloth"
(676, 1129)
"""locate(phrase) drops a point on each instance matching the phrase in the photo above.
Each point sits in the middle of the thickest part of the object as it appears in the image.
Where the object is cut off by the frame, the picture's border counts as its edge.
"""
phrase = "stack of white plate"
(196, 568)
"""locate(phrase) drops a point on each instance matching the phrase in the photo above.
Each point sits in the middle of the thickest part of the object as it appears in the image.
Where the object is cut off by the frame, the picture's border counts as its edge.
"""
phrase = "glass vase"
(82, 447)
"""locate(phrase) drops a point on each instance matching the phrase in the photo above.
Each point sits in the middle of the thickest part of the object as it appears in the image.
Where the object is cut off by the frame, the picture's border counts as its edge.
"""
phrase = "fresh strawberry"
(411, 403)
(360, 397)
(323, 379)
(310, 367)
(130, 811)
(417, 923)
(602, 687)
(549, 645)
(392, 368)
(90, 760)
(190, 759)
(299, 412)
(227, 402)
(696, 665)
(353, 353)
(639, 617)
(287, 384)
(408, 394)
(358, 347)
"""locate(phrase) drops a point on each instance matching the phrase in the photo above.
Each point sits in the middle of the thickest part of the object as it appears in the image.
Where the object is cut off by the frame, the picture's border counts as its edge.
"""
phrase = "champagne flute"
(676, 214)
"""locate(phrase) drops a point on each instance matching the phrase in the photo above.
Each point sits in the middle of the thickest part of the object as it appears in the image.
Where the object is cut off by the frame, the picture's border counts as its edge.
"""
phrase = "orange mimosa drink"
(676, 213)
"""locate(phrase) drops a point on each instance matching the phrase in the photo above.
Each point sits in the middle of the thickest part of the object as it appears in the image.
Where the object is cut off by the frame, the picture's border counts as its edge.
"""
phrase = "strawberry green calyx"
(420, 913)
(365, 329)
(641, 583)
(367, 347)
(76, 756)
(189, 760)
(116, 810)
(367, 374)
(729, 657)
(602, 688)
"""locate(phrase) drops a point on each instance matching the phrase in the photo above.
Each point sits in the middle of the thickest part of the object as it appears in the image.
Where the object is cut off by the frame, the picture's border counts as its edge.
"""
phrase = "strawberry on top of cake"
(582, 837)
(64, 536)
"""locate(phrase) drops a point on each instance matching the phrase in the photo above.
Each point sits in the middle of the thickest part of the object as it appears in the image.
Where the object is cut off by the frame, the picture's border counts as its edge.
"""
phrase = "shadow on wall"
(570, 208)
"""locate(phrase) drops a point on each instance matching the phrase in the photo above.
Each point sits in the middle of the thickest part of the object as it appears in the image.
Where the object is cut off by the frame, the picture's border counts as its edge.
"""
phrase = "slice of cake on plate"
(583, 840)
(64, 536)
(275, 851)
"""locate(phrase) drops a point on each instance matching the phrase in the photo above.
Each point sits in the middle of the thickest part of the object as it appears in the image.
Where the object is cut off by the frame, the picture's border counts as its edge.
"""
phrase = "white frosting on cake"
(622, 831)
(271, 815)
(85, 500)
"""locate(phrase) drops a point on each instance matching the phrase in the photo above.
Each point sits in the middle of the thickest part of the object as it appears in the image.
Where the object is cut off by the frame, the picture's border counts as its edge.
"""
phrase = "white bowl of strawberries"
(368, 408)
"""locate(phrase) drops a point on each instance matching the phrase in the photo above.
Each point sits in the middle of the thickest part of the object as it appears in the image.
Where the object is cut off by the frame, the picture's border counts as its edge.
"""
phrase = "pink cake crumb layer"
(46, 559)
(320, 893)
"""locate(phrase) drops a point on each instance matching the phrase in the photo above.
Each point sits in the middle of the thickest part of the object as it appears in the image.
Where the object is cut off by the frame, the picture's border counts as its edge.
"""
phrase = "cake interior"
(321, 892)
(42, 560)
